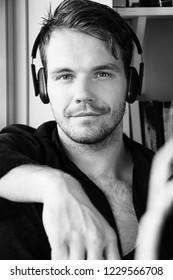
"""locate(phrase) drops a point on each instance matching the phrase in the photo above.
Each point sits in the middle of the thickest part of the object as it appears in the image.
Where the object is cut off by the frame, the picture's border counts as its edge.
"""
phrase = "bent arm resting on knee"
(75, 229)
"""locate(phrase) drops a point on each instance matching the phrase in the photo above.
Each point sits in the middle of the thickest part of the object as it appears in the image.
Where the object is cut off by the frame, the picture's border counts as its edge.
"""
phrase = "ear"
(42, 86)
(133, 83)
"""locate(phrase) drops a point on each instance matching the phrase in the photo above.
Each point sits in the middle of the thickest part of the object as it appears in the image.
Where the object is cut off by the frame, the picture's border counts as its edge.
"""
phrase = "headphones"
(134, 83)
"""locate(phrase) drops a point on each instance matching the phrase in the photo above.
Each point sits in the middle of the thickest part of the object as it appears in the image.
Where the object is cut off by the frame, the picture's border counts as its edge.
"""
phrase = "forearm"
(30, 183)
(72, 223)
(159, 204)
(151, 225)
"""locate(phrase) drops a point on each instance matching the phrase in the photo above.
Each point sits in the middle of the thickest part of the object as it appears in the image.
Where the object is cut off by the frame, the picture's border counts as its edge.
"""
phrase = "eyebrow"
(107, 66)
(61, 70)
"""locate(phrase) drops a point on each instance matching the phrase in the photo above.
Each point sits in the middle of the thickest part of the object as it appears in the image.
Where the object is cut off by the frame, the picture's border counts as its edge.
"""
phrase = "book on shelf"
(149, 123)
(126, 121)
(168, 120)
(151, 114)
(105, 2)
(120, 3)
(135, 122)
(131, 122)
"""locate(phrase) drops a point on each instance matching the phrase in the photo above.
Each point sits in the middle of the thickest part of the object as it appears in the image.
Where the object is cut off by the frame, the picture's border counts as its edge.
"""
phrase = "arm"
(73, 225)
(160, 201)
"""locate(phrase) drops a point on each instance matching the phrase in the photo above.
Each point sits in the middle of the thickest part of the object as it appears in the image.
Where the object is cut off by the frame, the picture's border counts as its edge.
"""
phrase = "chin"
(86, 140)
(92, 137)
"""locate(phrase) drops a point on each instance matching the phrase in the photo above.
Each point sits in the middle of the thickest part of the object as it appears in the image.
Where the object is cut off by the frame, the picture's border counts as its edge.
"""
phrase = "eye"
(65, 77)
(103, 75)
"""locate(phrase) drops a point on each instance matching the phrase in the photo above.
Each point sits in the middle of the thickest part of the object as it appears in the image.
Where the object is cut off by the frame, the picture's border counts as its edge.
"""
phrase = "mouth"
(86, 114)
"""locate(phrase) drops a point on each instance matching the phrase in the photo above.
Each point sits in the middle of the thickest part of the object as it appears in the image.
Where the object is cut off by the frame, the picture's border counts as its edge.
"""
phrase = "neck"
(109, 157)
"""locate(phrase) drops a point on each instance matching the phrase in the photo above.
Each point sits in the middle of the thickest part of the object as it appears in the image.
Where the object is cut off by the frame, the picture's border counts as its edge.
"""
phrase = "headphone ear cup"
(133, 85)
(42, 87)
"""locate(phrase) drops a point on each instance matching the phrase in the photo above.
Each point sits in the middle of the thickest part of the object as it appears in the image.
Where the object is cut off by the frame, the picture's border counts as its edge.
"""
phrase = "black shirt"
(22, 234)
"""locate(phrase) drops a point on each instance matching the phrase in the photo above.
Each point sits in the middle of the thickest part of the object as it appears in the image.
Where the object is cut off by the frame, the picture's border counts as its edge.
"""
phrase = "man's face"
(86, 86)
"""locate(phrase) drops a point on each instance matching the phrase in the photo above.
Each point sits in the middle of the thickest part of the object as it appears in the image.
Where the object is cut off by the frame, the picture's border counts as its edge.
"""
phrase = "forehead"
(77, 49)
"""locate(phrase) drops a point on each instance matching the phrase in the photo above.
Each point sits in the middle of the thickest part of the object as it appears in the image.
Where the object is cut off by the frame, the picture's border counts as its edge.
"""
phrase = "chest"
(119, 195)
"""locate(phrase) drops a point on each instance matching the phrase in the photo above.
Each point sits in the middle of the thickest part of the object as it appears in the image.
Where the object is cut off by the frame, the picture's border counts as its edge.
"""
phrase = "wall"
(3, 66)
(38, 112)
(14, 62)
(158, 57)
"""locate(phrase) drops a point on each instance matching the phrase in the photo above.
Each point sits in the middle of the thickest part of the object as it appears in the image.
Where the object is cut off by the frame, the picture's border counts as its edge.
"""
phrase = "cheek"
(58, 99)
(115, 92)
(58, 105)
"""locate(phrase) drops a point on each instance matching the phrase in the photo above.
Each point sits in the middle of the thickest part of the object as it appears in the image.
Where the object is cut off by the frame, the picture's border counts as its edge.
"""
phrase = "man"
(76, 188)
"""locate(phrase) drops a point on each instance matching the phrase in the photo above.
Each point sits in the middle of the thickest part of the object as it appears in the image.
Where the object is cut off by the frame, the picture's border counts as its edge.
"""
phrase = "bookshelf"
(152, 12)
(153, 26)
(154, 107)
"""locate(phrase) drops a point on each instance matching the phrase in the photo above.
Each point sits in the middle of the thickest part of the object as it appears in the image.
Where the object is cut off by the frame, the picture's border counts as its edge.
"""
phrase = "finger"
(166, 199)
(151, 225)
(95, 251)
(60, 252)
(111, 251)
(149, 236)
(160, 171)
(162, 163)
(77, 248)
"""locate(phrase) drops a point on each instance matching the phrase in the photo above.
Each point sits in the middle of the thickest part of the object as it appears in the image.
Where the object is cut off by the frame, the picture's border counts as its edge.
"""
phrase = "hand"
(160, 201)
(160, 196)
(75, 229)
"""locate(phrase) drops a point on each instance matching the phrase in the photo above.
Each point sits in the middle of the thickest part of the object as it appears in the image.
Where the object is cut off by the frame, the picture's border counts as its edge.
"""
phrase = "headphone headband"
(134, 37)
(35, 46)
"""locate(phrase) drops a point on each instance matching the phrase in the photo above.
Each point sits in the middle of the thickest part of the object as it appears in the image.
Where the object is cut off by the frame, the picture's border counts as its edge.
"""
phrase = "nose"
(84, 91)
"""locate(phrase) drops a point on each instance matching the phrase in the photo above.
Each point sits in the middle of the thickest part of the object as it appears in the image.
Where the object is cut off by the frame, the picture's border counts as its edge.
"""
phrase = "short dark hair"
(89, 17)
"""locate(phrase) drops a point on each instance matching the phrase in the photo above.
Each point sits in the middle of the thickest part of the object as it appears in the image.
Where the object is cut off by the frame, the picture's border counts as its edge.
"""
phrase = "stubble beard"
(97, 137)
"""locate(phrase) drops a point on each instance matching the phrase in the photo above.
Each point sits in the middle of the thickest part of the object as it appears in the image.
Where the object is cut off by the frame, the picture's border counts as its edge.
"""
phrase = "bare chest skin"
(119, 195)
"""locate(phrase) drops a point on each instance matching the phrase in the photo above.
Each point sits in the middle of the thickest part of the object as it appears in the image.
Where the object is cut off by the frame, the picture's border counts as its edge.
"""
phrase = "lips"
(85, 110)
(86, 114)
